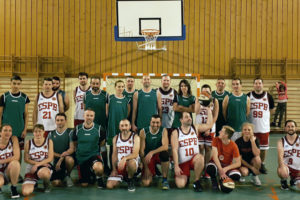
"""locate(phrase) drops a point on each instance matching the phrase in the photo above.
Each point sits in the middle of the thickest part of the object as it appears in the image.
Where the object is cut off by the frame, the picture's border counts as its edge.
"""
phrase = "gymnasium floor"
(269, 189)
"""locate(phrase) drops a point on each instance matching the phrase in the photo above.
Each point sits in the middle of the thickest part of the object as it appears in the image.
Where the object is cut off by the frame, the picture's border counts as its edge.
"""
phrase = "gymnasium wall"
(81, 31)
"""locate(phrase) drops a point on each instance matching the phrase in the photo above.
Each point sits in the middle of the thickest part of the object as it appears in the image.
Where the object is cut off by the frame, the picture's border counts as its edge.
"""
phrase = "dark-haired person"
(9, 159)
(288, 149)
(236, 108)
(46, 105)
(261, 106)
(282, 101)
(225, 158)
(63, 147)
(56, 88)
(184, 101)
(78, 96)
(154, 150)
(129, 92)
(38, 155)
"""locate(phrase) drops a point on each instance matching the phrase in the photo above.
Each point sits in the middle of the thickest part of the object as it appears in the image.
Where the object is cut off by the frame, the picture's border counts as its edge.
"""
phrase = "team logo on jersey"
(221, 157)
(192, 133)
(264, 99)
(45, 147)
(53, 98)
(171, 95)
(54, 136)
(297, 144)
(129, 142)
(9, 147)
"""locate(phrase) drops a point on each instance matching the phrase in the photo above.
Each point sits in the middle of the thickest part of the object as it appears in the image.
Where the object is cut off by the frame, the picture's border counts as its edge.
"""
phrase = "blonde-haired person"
(248, 146)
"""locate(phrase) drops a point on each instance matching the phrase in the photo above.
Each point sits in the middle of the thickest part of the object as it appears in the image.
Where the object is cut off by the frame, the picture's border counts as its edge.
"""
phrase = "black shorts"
(21, 143)
(62, 173)
(85, 170)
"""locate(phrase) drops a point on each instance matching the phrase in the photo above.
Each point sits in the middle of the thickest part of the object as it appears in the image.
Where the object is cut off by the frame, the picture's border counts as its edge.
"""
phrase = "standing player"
(261, 105)
(125, 158)
(56, 88)
(129, 92)
(78, 95)
(146, 102)
(167, 97)
(154, 150)
(288, 149)
(38, 155)
(236, 108)
(14, 110)
(184, 101)
(220, 93)
(89, 140)
(9, 159)
(63, 146)
(47, 104)
(225, 158)
(185, 150)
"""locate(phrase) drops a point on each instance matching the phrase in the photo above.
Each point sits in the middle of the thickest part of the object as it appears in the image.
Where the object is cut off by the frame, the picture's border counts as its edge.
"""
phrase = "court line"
(274, 194)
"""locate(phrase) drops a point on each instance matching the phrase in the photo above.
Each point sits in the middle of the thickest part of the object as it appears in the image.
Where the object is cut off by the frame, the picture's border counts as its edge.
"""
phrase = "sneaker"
(14, 193)
(284, 185)
(273, 124)
(263, 169)
(69, 181)
(47, 188)
(197, 186)
(206, 175)
(292, 182)
(242, 180)
(165, 185)
(131, 187)
(100, 183)
(255, 180)
(214, 183)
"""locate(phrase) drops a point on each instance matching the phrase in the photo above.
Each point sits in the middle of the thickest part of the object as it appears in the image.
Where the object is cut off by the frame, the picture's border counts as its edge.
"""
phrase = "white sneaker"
(69, 181)
(255, 180)
(242, 180)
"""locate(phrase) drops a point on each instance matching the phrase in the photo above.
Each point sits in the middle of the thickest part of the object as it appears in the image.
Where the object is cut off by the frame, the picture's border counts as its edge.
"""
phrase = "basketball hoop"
(150, 36)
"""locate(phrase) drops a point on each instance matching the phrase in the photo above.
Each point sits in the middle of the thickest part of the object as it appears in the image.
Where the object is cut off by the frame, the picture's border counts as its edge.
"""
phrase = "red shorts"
(187, 166)
(77, 122)
(124, 171)
(154, 160)
(206, 140)
(295, 174)
(263, 140)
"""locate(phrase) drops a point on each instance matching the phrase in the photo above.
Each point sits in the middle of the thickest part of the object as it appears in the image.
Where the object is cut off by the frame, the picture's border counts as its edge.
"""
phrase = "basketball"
(227, 185)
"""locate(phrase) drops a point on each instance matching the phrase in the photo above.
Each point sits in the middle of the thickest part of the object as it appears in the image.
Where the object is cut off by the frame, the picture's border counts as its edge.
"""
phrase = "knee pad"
(235, 177)
(211, 170)
(164, 156)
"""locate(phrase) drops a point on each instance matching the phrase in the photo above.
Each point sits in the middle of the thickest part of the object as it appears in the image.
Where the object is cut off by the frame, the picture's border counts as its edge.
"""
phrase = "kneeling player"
(9, 159)
(38, 154)
(225, 158)
(154, 144)
(126, 146)
(288, 149)
(185, 148)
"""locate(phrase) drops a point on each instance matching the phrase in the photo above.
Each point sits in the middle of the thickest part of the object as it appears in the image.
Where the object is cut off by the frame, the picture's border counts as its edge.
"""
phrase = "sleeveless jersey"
(117, 110)
(97, 102)
(129, 95)
(188, 145)
(236, 111)
(5, 153)
(124, 147)
(63, 95)
(260, 113)
(221, 120)
(146, 107)
(38, 153)
(79, 108)
(61, 141)
(47, 108)
(183, 101)
(153, 141)
(13, 112)
(291, 155)
(168, 113)
(201, 118)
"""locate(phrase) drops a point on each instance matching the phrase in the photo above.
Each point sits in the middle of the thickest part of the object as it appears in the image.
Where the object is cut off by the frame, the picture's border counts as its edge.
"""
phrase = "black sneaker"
(100, 183)
(14, 193)
(214, 184)
(263, 169)
(273, 124)
(197, 186)
(284, 185)
(131, 187)
(292, 183)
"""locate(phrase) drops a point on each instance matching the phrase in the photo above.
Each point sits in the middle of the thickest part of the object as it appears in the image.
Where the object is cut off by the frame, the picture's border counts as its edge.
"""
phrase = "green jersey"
(129, 95)
(97, 102)
(117, 110)
(14, 110)
(182, 101)
(221, 120)
(88, 141)
(146, 107)
(236, 111)
(152, 140)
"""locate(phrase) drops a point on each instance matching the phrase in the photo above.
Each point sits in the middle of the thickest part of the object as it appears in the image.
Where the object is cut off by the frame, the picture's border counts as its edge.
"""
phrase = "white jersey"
(201, 118)
(188, 145)
(47, 109)
(291, 156)
(5, 153)
(79, 107)
(260, 113)
(124, 147)
(168, 113)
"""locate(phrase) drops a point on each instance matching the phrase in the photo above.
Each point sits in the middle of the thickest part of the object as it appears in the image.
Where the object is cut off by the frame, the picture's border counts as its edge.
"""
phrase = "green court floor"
(244, 191)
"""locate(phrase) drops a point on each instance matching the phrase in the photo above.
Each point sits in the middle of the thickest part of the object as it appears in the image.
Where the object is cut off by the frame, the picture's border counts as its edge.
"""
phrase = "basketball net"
(150, 36)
